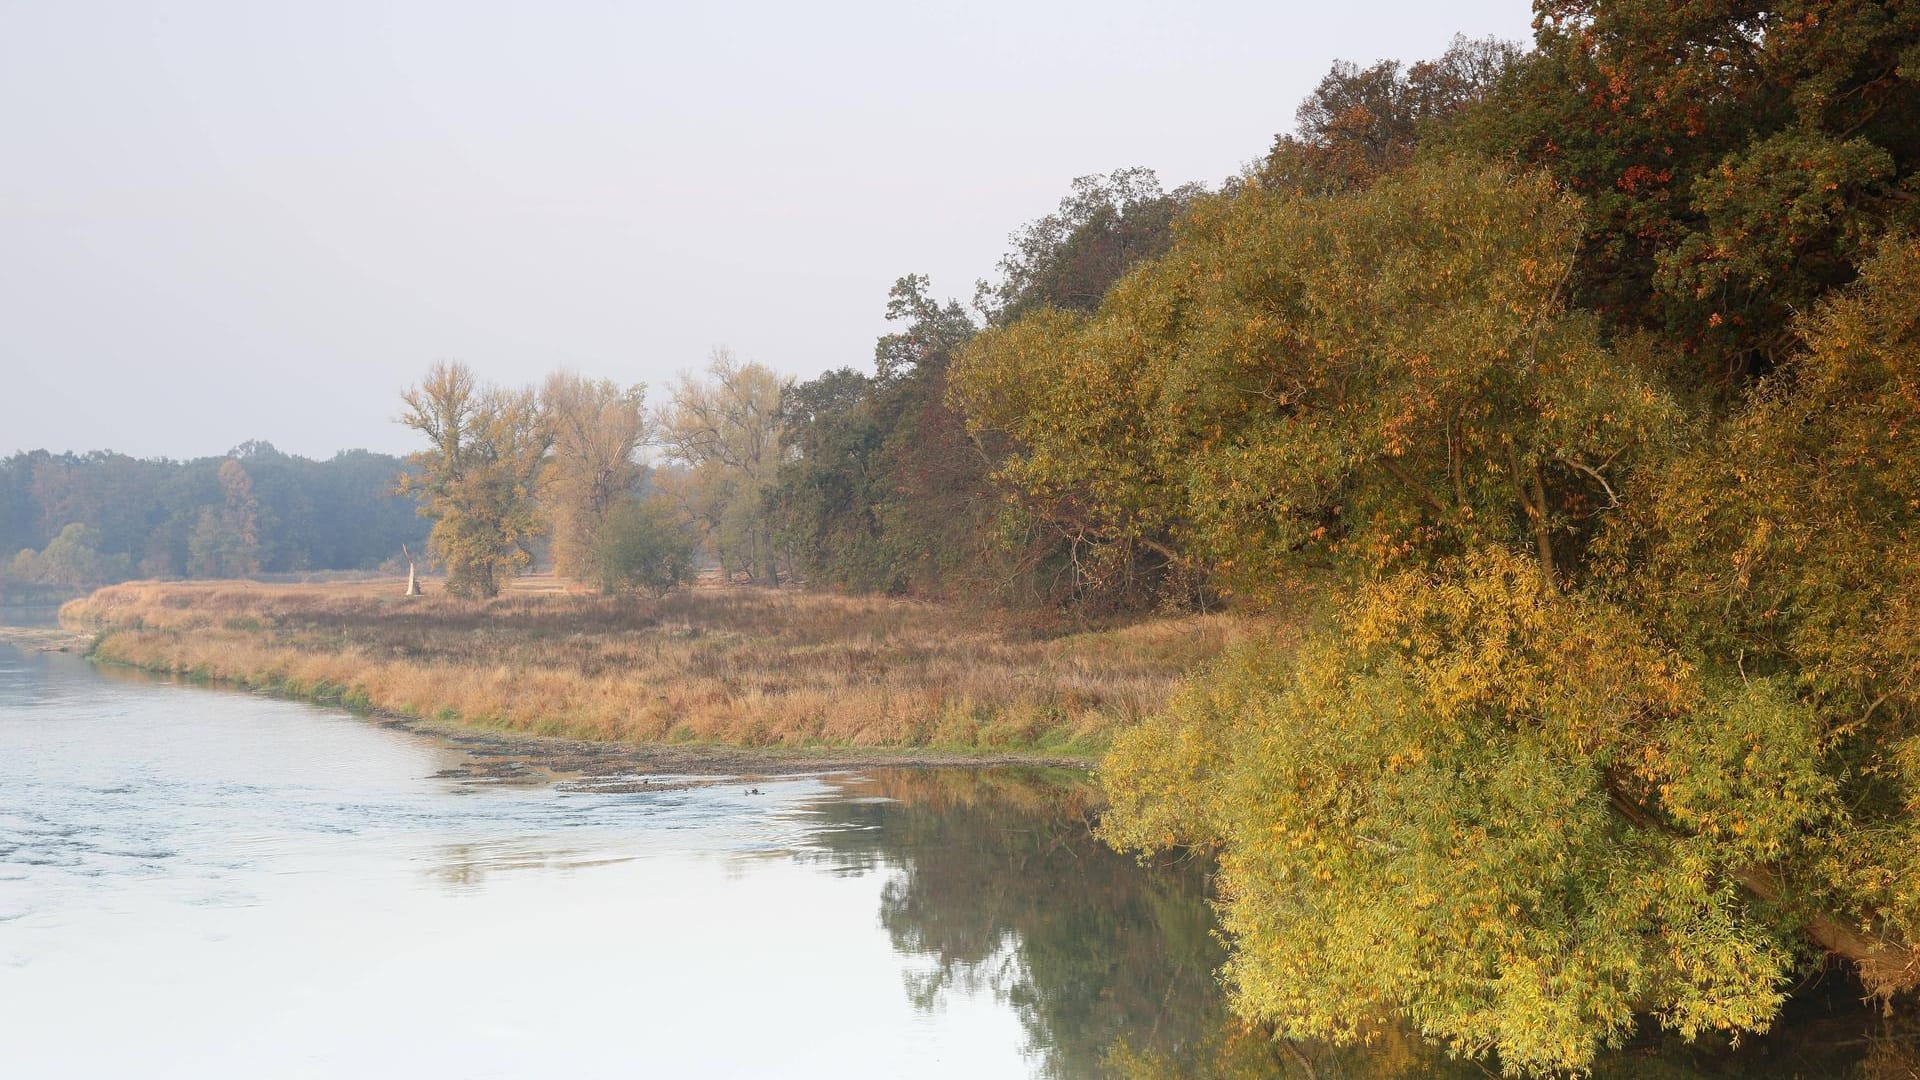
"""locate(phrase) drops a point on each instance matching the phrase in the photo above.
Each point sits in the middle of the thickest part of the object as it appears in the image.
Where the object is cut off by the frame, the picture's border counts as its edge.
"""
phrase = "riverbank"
(796, 676)
(45, 638)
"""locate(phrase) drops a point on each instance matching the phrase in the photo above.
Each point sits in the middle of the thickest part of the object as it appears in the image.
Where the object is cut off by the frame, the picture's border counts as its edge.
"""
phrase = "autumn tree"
(1361, 123)
(1356, 378)
(1066, 259)
(72, 558)
(724, 429)
(225, 542)
(477, 478)
(1497, 795)
(594, 429)
(1779, 550)
(1606, 711)
(1520, 815)
(1737, 159)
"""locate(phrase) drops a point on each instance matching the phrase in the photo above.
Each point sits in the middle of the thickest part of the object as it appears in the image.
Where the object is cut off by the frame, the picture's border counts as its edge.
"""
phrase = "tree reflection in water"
(999, 884)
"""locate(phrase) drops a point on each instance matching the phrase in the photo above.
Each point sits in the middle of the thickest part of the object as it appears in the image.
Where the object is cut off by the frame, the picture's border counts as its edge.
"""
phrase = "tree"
(73, 559)
(120, 497)
(829, 485)
(725, 429)
(594, 428)
(1736, 159)
(335, 514)
(1068, 258)
(1362, 380)
(225, 542)
(642, 544)
(1360, 123)
(1780, 549)
(881, 488)
(886, 487)
(1618, 725)
(1426, 813)
(1499, 811)
(476, 480)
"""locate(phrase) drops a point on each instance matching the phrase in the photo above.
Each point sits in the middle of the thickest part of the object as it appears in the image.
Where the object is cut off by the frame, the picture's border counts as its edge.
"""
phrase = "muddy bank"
(579, 764)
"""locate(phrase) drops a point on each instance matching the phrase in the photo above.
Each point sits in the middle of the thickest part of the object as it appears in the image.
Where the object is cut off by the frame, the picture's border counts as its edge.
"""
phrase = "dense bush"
(643, 544)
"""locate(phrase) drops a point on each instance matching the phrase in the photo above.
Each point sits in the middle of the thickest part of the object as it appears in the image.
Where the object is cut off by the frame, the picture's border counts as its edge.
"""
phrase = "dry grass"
(750, 667)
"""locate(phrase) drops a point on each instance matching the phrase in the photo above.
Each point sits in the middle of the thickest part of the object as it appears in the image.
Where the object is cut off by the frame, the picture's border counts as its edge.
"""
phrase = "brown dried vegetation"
(747, 666)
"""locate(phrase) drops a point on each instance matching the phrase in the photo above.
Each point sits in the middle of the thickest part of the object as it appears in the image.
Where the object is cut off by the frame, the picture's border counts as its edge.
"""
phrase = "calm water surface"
(202, 883)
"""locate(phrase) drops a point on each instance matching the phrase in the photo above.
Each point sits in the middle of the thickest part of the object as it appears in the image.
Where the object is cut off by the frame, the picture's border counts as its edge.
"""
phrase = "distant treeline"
(80, 520)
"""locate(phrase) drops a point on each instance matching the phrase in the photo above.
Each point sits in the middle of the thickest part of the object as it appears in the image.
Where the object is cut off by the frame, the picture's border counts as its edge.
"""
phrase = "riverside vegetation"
(1547, 415)
(745, 666)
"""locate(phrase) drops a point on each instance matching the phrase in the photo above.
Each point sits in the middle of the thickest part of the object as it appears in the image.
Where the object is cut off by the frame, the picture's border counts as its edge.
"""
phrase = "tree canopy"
(1591, 471)
(477, 478)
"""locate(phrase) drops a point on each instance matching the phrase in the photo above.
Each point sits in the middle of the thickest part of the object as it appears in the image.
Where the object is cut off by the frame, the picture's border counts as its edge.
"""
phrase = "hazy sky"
(223, 221)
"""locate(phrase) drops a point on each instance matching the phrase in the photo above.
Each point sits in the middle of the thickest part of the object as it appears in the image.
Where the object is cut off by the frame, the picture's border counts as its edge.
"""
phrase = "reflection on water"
(33, 615)
(206, 883)
(1109, 966)
(1003, 889)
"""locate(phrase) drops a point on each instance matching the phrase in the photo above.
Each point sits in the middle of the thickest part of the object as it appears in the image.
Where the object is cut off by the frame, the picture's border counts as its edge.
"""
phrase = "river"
(205, 883)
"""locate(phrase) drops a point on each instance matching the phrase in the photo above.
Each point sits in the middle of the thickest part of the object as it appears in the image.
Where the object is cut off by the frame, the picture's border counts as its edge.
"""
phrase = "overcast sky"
(224, 221)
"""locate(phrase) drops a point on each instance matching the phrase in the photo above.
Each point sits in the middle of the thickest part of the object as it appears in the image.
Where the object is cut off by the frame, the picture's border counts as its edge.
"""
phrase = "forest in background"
(80, 520)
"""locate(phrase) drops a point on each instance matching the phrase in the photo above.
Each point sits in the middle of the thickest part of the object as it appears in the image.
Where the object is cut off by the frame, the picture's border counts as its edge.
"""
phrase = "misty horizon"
(227, 223)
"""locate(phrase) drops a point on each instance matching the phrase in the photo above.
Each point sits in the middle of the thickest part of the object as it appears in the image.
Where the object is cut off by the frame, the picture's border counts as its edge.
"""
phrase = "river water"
(206, 883)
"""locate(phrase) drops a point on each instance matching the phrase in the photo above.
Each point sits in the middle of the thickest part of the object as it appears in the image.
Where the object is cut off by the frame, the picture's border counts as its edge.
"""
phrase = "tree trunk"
(1534, 504)
(769, 565)
(1886, 967)
(413, 580)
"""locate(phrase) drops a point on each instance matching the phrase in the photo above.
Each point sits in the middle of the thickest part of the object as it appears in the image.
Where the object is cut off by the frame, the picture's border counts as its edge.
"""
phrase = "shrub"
(642, 545)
